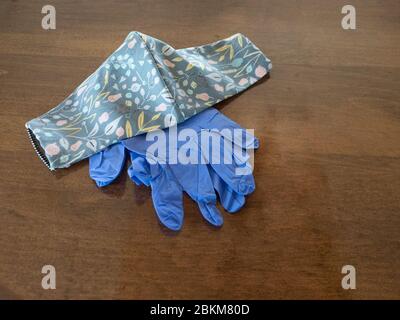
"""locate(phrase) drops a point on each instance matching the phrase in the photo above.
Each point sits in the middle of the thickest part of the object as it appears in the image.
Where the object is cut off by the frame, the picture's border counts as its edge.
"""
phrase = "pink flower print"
(61, 122)
(131, 44)
(114, 97)
(120, 132)
(52, 149)
(260, 71)
(76, 145)
(203, 96)
(104, 117)
(243, 82)
(169, 63)
(161, 107)
(218, 87)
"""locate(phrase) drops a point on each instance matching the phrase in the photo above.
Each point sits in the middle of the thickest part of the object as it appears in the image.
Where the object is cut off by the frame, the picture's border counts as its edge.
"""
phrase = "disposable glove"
(169, 179)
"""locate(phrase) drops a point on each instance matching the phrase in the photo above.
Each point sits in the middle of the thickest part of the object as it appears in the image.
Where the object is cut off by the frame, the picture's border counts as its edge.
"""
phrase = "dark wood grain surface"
(327, 172)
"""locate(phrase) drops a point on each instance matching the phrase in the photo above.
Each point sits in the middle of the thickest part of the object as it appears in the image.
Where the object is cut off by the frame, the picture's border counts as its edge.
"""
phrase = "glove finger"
(236, 177)
(139, 170)
(106, 166)
(229, 166)
(216, 148)
(211, 213)
(167, 197)
(196, 181)
(232, 131)
(230, 200)
(240, 138)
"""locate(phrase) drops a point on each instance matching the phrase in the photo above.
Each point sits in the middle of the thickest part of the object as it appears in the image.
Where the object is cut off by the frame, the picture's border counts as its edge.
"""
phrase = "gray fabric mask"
(143, 86)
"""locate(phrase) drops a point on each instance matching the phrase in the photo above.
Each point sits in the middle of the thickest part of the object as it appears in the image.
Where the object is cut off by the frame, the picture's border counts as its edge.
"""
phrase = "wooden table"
(327, 172)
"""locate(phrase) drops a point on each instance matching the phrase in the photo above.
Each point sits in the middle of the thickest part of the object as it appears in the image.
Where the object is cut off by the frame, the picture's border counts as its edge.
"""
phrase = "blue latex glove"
(199, 181)
(106, 166)
(168, 181)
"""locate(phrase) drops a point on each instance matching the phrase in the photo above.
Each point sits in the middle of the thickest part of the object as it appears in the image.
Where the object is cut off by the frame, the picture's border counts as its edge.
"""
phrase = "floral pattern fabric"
(143, 86)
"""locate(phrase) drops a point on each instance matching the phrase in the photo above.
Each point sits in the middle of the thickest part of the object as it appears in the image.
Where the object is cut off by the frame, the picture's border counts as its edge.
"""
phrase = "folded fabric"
(144, 85)
(220, 168)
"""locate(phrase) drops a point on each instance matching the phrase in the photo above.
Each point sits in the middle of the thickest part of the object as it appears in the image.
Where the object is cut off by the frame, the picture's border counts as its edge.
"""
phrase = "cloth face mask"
(143, 86)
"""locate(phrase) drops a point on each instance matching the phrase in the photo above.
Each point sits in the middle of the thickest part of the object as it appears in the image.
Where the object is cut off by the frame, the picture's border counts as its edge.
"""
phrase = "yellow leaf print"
(155, 117)
(189, 66)
(177, 59)
(106, 78)
(102, 95)
(240, 40)
(140, 120)
(151, 128)
(231, 52)
(222, 48)
(128, 129)
(221, 58)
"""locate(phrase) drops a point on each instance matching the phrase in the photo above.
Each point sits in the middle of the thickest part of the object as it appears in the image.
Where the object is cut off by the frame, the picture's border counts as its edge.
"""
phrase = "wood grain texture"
(327, 172)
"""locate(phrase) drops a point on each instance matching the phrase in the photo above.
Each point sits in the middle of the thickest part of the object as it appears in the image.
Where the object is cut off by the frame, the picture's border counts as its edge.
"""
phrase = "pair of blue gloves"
(198, 166)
